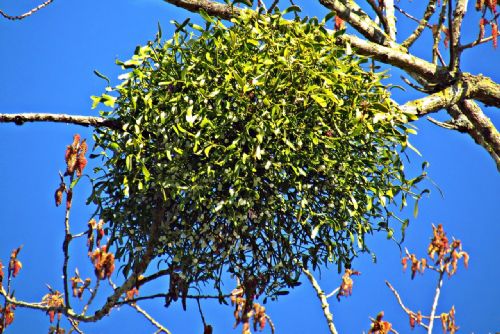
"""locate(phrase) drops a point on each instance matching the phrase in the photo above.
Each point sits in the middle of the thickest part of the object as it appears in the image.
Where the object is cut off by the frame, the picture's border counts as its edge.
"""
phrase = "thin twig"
(271, 323)
(324, 303)
(273, 5)
(150, 318)
(333, 293)
(437, 34)
(424, 22)
(400, 301)
(163, 295)
(435, 302)
(25, 15)
(66, 242)
(74, 326)
(201, 313)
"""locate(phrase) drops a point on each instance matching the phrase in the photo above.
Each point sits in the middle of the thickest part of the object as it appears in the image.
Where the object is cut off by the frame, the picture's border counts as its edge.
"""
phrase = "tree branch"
(437, 101)
(324, 303)
(380, 15)
(483, 89)
(429, 11)
(359, 20)
(435, 302)
(25, 15)
(211, 7)
(94, 121)
(391, 18)
(481, 128)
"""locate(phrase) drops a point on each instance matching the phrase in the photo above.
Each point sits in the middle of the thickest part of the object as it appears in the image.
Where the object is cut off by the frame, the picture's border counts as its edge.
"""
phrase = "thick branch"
(94, 121)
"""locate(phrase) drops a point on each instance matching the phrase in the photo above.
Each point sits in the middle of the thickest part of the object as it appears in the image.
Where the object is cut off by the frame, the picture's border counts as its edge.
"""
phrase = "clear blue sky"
(46, 64)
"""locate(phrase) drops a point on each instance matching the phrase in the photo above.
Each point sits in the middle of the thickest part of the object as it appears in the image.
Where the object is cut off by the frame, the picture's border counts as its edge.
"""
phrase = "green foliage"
(247, 150)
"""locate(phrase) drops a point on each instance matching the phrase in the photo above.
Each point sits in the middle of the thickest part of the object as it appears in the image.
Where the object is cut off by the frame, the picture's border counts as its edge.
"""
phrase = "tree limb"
(94, 121)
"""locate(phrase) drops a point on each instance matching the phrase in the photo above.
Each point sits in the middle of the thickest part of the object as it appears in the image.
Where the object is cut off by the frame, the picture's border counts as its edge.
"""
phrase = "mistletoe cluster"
(253, 149)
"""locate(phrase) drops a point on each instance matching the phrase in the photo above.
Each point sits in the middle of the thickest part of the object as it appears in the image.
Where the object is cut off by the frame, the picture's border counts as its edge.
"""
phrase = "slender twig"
(163, 295)
(271, 323)
(333, 293)
(400, 301)
(324, 303)
(22, 118)
(476, 42)
(74, 326)
(424, 22)
(437, 34)
(67, 240)
(273, 5)
(150, 318)
(146, 315)
(93, 294)
(452, 36)
(201, 313)
(378, 11)
(25, 15)
(435, 302)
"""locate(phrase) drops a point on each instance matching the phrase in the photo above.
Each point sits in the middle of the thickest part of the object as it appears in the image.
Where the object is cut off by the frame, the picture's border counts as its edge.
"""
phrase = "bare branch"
(324, 303)
(436, 34)
(391, 18)
(455, 32)
(478, 41)
(25, 15)
(435, 302)
(481, 128)
(22, 118)
(400, 301)
(150, 318)
(380, 15)
(273, 5)
(424, 22)
(211, 7)
(333, 293)
(483, 89)
(359, 20)
(271, 323)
